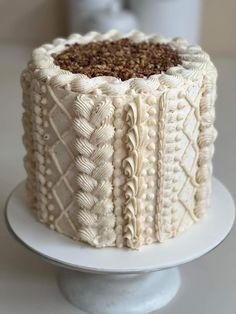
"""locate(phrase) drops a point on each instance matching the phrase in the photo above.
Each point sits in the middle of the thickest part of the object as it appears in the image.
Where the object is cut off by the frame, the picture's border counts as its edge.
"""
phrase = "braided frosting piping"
(94, 133)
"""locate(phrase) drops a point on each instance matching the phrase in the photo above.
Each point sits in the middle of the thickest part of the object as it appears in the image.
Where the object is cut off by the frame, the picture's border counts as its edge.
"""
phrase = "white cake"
(119, 163)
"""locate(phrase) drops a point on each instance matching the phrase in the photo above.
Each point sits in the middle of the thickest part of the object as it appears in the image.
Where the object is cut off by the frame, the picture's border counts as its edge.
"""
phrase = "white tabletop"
(28, 285)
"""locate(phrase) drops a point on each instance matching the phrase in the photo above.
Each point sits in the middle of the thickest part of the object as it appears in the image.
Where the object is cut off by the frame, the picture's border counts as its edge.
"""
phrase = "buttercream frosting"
(119, 163)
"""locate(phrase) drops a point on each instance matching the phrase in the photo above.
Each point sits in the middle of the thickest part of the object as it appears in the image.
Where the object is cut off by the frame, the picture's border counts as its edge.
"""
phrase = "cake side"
(206, 140)
(94, 132)
(124, 162)
(29, 159)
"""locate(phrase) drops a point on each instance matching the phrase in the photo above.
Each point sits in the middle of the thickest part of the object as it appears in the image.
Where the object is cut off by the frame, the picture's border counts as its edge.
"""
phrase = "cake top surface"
(195, 63)
(122, 58)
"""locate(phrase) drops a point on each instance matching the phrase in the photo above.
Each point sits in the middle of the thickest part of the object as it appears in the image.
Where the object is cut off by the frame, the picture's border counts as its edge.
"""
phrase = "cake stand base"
(120, 281)
(119, 294)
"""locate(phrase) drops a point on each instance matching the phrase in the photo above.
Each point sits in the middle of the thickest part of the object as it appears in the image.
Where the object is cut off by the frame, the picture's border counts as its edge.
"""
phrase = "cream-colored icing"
(149, 171)
(85, 181)
(94, 133)
(206, 140)
(136, 141)
(27, 138)
(119, 154)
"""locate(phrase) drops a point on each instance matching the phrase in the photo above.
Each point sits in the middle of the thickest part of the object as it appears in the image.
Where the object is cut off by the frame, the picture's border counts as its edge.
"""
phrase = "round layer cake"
(119, 134)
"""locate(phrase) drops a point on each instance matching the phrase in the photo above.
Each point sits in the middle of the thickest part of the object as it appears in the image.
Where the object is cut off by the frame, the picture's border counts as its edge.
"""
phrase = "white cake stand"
(120, 281)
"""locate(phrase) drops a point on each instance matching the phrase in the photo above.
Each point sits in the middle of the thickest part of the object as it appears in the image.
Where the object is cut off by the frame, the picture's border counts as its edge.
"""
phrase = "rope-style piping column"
(39, 103)
(29, 162)
(93, 144)
(136, 141)
(206, 140)
(160, 166)
(118, 156)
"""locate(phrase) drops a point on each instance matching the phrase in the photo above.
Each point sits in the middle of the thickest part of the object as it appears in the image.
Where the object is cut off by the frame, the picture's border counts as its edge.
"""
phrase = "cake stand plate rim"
(202, 238)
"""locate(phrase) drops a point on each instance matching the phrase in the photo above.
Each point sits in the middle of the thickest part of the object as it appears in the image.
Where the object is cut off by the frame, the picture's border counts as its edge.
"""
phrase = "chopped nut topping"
(123, 58)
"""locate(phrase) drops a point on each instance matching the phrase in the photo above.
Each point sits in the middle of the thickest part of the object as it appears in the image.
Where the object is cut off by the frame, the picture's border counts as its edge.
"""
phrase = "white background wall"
(42, 20)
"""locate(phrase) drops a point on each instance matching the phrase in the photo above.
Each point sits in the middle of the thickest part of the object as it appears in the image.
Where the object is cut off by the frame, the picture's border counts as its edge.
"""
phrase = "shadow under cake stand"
(120, 281)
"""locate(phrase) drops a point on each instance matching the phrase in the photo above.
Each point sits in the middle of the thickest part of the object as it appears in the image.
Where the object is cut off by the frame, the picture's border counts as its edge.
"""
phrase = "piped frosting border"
(194, 62)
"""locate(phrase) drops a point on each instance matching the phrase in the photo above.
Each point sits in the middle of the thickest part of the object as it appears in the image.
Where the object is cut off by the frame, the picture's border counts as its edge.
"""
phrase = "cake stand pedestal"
(120, 281)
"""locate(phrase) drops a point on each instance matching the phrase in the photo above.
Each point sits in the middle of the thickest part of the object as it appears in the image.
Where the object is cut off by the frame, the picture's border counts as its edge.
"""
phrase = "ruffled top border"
(195, 63)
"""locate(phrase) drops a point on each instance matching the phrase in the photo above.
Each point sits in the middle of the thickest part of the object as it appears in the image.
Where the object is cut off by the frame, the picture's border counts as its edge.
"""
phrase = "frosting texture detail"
(136, 141)
(93, 162)
(206, 140)
(119, 163)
